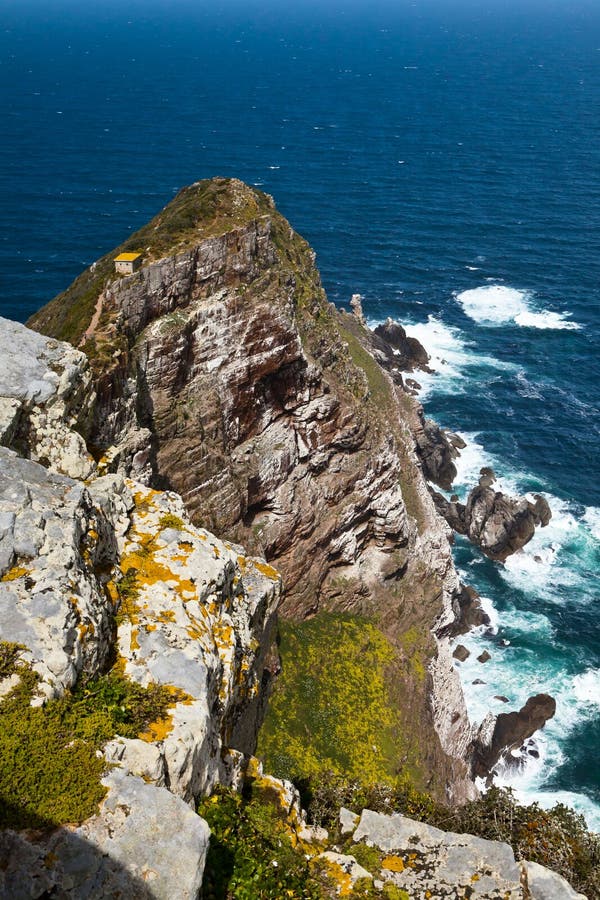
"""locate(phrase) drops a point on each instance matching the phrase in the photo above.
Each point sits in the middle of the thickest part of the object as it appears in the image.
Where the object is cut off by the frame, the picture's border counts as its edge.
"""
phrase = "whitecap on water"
(497, 304)
(451, 357)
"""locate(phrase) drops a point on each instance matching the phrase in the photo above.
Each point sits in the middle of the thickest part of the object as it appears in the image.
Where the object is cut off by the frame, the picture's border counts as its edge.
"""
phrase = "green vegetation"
(332, 707)
(252, 855)
(171, 521)
(49, 771)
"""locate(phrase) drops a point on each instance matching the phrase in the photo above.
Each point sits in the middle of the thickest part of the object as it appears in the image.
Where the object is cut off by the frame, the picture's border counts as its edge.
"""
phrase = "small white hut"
(127, 263)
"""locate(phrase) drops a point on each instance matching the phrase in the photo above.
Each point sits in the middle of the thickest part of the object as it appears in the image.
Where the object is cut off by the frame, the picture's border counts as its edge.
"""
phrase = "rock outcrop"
(108, 573)
(428, 863)
(409, 352)
(223, 373)
(500, 736)
(46, 400)
(498, 523)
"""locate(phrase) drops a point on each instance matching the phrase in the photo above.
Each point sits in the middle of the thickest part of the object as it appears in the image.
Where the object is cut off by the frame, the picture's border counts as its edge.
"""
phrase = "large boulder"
(144, 844)
(427, 862)
(499, 736)
(497, 523)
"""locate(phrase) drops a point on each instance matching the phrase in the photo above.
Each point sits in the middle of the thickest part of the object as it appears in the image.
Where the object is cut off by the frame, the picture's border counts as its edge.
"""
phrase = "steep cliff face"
(107, 592)
(223, 373)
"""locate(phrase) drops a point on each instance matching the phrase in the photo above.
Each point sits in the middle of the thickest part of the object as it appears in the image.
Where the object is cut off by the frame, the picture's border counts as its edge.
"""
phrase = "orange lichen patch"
(241, 561)
(266, 570)
(194, 632)
(167, 615)
(150, 627)
(157, 731)
(112, 591)
(216, 551)
(84, 630)
(150, 571)
(14, 573)
(186, 545)
(475, 877)
(134, 644)
(223, 635)
(342, 879)
(393, 864)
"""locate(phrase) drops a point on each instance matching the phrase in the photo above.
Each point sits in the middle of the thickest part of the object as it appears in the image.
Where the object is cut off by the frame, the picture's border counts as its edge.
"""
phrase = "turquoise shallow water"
(443, 159)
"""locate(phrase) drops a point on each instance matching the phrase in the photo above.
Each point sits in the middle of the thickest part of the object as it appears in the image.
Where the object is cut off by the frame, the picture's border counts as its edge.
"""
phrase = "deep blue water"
(425, 150)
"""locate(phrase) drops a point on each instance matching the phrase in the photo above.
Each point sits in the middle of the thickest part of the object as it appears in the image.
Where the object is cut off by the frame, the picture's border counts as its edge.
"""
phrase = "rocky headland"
(215, 391)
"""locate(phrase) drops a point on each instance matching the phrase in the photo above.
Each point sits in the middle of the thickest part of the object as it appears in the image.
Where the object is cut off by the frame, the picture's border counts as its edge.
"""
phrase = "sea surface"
(443, 159)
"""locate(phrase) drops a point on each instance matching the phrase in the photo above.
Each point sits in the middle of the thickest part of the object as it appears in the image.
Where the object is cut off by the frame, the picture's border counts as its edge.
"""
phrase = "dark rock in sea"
(499, 735)
(455, 439)
(461, 653)
(409, 352)
(436, 453)
(496, 522)
(479, 681)
(484, 657)
(468, 612)
(501, 698)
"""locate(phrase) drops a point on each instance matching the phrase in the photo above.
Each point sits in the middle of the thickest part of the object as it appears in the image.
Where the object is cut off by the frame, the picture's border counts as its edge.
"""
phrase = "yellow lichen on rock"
(393, 864)
(14, 573)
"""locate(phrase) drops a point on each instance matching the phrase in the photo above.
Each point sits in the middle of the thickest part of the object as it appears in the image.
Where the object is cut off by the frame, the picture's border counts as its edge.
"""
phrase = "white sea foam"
(559, 562)
(592, 519)
(497, 304)
(451, 358)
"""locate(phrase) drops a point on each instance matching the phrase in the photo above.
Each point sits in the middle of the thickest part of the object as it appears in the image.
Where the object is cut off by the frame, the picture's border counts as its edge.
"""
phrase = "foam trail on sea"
(497, 304)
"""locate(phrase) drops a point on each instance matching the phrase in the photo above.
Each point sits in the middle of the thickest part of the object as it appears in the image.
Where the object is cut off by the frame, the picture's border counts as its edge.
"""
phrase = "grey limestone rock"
(144, 844)
(434, 863)
(46, 399)
(546, 885)
(53, 538)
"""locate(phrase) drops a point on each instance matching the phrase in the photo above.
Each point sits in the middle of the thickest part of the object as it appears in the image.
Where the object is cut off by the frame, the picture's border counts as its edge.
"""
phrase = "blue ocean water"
(443, 159)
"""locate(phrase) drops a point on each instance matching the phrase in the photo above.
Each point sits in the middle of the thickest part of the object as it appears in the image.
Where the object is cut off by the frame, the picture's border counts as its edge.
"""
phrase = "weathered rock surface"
(546, 885)
(223, 373)
(144, 843)
(500, 735)
(46, 400)
(498, 523)
(429, 863)
(111, 570)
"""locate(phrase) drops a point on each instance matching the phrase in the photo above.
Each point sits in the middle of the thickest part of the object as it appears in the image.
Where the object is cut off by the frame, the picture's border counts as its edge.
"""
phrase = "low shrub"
(49, 768)
(251, 856)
